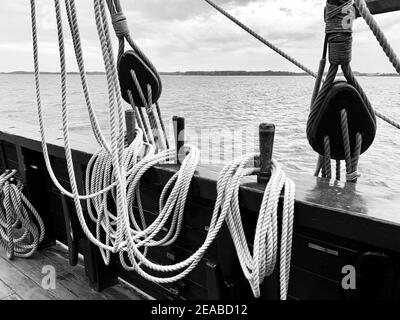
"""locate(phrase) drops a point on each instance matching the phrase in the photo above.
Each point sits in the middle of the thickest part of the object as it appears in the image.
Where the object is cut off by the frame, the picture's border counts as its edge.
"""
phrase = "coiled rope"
(319, 75)
(154, 126)
(116, 150)
(114, 172)
(21, 227)
(120, 168)
(261, 264)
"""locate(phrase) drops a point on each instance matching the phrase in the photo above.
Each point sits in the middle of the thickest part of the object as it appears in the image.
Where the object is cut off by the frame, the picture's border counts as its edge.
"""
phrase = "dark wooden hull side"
(335, 226)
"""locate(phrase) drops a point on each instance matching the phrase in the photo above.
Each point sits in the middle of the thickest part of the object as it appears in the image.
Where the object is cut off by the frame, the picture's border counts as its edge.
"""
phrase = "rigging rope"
(122, 32)
(380, 36)
(115, 171)
(339, 40)
(263, 40)
(127, 165)
(20, 236)
(115, 124)
(297, 63)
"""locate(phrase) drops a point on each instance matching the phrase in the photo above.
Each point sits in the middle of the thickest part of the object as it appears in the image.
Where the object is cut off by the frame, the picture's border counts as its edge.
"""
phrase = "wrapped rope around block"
(338, 42)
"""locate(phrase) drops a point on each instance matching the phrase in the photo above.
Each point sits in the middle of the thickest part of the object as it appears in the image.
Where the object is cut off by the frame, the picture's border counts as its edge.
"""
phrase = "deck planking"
(5, 291)
(21, 279)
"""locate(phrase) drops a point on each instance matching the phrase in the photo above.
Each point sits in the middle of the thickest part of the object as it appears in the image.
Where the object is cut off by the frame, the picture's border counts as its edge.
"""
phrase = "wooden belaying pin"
(130, 122)
(267, 135)
(179, 133)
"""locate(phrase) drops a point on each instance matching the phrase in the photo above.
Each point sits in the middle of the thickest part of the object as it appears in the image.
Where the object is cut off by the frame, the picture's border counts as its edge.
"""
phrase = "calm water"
(211, 104)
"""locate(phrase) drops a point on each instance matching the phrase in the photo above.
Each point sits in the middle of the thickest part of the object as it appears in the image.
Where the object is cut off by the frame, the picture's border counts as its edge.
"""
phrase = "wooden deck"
(21, 279)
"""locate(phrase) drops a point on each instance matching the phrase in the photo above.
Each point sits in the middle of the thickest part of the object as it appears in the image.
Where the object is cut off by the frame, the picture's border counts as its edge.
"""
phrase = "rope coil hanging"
(339, 105)
(261, 263)
(116, 156)
(21, 227)
(115, 171)
(141, 84)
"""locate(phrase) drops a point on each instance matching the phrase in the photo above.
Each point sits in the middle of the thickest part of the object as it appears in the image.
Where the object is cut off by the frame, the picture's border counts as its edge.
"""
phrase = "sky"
(183, 35)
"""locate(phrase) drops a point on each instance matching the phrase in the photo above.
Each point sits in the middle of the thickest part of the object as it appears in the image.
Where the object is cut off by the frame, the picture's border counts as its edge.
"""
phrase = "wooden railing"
(335, 223)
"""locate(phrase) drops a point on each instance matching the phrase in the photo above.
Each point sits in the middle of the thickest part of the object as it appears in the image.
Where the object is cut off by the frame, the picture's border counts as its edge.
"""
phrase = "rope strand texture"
(378, 33)
(297, 63)
(21, 227)
(114, 172)
(114, 166)
(259, 265)
(339, 40)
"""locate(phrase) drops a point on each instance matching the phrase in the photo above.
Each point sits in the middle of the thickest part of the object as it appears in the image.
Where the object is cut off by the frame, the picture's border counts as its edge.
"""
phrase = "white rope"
(369, 19)
(378, 33)
(21, 227)
(114, 172)
(259, 265)
(120, 165)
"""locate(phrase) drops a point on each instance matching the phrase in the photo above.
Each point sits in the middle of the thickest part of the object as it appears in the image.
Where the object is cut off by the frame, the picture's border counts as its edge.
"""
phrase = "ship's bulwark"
(336, 227)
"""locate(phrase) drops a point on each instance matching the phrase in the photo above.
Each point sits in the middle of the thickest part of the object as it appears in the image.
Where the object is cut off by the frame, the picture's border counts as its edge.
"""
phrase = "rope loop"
(114, 174)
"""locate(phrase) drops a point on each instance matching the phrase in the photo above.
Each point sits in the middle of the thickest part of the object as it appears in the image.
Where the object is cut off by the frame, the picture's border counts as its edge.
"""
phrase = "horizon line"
(200, 72)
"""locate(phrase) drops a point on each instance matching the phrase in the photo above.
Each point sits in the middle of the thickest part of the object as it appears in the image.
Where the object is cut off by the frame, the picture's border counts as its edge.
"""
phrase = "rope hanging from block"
(115, 171)
(141, 84)
(122, 160)
(339, 104)
(297, 63)
(21, 227)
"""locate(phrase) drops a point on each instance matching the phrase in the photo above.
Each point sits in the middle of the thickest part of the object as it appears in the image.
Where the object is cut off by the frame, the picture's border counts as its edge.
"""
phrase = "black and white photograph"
(199, 158)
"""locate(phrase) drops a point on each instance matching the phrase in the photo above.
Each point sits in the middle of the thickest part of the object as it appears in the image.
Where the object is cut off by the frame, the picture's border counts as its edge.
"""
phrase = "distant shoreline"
(214, 73)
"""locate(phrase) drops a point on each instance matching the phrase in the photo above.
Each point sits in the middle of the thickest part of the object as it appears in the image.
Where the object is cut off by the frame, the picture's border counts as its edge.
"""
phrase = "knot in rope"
(120, 24)
(339, 29)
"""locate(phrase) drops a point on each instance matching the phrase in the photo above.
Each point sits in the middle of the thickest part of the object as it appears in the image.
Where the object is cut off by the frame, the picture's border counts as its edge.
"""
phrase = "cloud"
(191, 35)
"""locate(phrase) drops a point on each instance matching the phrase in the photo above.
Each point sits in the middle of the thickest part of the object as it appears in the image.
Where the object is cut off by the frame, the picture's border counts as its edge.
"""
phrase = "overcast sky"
(181, 35)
